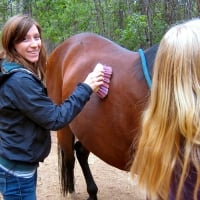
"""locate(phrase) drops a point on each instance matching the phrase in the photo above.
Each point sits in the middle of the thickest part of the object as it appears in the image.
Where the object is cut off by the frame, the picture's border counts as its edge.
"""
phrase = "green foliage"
(133, 35)
(159, 27)
(125, 22)
(62, 18)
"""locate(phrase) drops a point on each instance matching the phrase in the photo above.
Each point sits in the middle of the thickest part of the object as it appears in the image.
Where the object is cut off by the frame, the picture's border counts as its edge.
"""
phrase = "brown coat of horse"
(106, 127)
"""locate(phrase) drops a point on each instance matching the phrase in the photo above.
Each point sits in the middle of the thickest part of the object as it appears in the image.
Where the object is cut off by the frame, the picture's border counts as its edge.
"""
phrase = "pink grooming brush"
(103, 90)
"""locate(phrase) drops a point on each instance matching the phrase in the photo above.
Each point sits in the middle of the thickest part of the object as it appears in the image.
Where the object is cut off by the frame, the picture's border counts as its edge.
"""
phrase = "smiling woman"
(30, 46)
(27, 114)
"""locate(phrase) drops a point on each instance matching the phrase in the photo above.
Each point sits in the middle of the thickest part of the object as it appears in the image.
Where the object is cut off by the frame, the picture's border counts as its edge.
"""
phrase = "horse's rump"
(106, 127)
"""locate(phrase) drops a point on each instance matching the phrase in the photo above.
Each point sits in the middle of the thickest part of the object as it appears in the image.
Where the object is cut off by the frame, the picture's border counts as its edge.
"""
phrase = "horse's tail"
(66, 169)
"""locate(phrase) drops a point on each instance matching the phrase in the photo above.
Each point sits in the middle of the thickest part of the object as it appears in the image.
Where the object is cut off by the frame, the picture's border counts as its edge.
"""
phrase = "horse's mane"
(150, 55)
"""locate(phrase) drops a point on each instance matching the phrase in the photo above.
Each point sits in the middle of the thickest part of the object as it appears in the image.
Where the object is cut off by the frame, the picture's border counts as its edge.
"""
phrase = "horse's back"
(106, 127)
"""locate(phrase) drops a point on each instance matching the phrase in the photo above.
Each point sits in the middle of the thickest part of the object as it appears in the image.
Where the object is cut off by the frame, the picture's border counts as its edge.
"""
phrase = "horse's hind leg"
(82, 155)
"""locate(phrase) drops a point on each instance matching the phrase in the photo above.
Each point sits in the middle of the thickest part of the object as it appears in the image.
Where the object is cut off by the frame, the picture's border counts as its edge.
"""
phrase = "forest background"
(132, 24)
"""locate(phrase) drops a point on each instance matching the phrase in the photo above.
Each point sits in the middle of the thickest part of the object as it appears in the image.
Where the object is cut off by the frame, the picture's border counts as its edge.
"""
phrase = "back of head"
(177, 72)
(170, 128)
(179, 50)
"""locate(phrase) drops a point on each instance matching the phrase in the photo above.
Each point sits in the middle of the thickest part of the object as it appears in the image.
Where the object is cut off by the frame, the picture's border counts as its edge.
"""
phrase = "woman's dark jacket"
(27, 114)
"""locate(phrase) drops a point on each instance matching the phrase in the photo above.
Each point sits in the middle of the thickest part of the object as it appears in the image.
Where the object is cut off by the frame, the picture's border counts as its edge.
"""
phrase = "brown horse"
(106, 127)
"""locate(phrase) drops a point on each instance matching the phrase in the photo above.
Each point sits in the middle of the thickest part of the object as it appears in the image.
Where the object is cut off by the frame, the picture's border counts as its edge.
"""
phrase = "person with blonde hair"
(167, 160)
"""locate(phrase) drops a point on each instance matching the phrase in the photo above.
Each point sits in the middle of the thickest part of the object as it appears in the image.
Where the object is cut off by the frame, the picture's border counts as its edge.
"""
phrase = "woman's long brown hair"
(14, 31)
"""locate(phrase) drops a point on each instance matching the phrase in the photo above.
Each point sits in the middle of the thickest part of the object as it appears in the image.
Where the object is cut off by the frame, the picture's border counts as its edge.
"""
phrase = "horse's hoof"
(92, 198)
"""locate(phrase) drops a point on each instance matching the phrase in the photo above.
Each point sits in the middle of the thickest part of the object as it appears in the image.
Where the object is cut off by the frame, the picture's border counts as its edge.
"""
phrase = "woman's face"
(30, 47)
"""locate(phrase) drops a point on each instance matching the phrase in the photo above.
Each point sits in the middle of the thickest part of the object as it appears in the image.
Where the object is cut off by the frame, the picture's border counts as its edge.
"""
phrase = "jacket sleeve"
(28, 95)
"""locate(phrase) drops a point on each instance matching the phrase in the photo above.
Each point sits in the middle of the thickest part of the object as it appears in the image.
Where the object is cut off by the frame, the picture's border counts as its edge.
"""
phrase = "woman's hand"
(95, 78)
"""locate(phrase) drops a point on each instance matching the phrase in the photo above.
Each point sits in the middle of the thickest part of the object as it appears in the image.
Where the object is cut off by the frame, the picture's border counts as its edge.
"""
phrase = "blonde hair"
(14, 31)
(170, 135)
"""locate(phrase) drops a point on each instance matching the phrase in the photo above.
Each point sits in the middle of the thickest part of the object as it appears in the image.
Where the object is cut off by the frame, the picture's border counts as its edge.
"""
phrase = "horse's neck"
(150, 55)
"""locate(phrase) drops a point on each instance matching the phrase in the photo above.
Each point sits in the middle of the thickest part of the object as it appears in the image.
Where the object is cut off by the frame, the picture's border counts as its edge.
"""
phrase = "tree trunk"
(170, 8)
(99, 16)
(198, 5)
(146, 10)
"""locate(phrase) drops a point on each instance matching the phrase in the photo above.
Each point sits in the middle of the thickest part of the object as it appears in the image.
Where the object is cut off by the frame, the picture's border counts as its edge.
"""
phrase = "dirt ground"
(113, 184)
